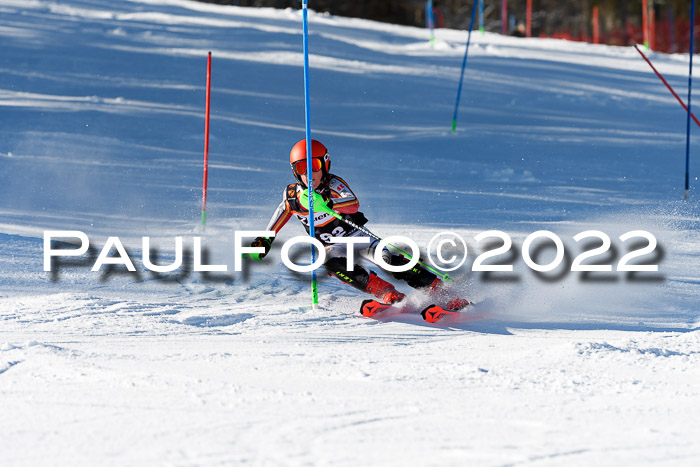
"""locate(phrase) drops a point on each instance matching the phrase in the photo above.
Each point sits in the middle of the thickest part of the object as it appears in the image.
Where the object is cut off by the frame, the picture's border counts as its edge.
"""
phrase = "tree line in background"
(619, 21)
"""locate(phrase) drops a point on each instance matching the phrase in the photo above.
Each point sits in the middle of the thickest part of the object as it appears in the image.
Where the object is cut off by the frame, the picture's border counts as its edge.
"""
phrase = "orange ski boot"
(453, 304)
(384, 291)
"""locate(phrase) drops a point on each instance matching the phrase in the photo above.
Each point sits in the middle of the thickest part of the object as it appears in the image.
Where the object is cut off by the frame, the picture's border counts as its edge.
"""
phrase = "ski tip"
(434, 313)
(365, 307)
(370, 308)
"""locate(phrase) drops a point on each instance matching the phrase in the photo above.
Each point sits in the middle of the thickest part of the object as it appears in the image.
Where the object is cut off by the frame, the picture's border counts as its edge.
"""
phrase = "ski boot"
(384, 291)
(437, 289)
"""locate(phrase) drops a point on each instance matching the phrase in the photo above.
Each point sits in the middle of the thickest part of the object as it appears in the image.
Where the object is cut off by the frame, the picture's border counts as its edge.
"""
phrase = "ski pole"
(326, 209)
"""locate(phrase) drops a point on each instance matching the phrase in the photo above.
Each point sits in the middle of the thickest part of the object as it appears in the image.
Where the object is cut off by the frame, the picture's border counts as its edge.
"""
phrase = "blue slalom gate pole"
(690, 89)
(464, 66)
(309, 169)
(481, 16)
(429, 20)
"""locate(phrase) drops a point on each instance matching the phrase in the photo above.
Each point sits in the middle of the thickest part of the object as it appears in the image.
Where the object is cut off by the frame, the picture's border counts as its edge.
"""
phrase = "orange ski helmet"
(321, 161)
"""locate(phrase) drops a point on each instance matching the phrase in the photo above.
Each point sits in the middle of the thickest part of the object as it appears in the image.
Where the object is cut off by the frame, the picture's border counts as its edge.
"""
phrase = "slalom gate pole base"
(204, 218)
(686, 194)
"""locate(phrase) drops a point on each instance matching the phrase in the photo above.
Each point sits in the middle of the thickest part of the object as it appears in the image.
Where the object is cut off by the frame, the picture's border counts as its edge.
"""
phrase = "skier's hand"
(264, 242)
(320, 204)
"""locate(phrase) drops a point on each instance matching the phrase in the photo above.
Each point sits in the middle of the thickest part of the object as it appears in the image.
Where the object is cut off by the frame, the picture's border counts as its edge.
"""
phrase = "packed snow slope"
(103, 132)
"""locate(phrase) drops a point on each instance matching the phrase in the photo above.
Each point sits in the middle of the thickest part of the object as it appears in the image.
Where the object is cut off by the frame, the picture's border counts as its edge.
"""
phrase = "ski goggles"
(301, 165)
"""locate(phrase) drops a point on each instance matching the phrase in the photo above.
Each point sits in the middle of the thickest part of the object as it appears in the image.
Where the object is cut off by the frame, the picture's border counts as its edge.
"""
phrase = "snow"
(102, 132)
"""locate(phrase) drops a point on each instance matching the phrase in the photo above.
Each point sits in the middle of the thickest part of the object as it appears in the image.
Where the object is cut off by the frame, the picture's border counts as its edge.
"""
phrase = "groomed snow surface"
(102, 132)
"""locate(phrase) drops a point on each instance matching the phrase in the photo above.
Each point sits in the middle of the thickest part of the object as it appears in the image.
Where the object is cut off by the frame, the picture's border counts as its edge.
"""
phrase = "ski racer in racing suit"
(337, 195)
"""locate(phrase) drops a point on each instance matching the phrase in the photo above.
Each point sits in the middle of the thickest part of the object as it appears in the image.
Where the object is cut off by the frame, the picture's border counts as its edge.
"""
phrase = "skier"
(332, 191)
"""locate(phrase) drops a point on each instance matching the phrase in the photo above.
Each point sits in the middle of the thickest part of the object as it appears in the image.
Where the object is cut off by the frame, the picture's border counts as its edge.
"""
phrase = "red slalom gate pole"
(645, 23)
(596, 25)
(652, 29)
(528, 19)
(206, 143)
(667, 85)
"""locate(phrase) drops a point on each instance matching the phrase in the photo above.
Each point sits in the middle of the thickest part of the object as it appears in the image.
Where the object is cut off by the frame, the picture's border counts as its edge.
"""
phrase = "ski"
(370, 308)
(432, 314)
